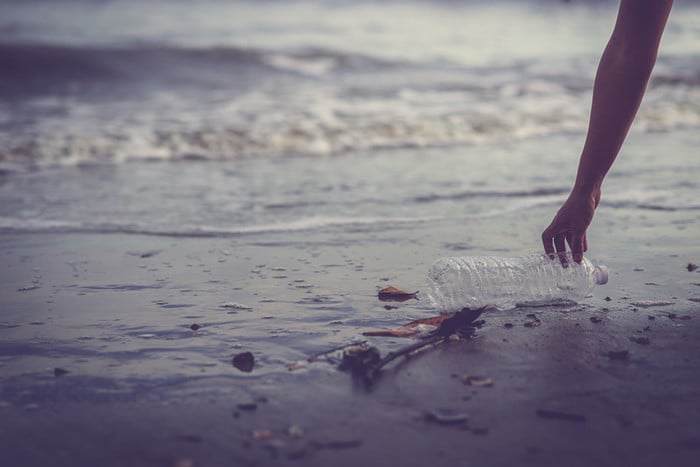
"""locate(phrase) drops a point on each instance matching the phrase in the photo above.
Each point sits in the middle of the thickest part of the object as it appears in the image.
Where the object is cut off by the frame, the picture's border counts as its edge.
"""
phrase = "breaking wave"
(28, 66)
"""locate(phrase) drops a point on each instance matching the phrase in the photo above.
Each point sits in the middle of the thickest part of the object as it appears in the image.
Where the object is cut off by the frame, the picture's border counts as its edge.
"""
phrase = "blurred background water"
(274, 89)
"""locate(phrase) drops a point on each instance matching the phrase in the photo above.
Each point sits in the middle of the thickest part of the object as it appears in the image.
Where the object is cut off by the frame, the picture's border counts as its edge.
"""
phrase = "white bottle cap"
(601, 275)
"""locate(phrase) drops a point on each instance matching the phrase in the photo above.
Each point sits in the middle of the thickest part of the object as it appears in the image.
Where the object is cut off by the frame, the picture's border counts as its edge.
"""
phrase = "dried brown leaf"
(261, 434)
(411, 329)
(478, 381)
(392, 294)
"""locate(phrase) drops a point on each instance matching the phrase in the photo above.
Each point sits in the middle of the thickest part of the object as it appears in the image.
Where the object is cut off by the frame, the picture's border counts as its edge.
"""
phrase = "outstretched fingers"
(555, 244)
(560, 245)
(577, 243)
(547, 243)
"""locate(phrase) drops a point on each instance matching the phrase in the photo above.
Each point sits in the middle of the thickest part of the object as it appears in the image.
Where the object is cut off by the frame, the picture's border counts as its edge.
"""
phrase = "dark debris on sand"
(365, 362)
(244, 361)
(618, 355)
(559, 415)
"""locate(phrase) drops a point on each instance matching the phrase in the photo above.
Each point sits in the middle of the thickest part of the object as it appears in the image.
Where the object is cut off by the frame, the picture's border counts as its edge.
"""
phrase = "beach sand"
(143, 388)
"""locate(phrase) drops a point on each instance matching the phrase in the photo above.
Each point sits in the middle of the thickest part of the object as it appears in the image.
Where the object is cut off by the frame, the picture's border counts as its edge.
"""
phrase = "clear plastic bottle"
(472, 282)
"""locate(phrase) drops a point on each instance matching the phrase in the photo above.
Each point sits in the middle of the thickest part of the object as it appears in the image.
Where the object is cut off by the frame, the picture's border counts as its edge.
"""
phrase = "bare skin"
(620, 82)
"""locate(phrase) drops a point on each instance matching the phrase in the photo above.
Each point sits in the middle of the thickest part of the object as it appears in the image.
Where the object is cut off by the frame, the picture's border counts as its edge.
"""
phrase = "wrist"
(587, 193)
(588, 188)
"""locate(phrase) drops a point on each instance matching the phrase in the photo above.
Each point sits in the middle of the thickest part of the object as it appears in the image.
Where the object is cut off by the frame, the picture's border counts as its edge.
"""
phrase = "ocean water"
(315, 150)
(112, 83)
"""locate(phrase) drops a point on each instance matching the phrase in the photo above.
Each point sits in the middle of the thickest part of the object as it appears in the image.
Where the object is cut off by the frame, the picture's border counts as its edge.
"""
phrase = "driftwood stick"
(372, 372)
(365, 362)
(408, 350)
(460, 323)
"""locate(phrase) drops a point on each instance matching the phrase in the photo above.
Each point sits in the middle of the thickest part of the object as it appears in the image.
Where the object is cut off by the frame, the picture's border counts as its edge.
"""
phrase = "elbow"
(637, 59)
(640, 60)
(635, 40)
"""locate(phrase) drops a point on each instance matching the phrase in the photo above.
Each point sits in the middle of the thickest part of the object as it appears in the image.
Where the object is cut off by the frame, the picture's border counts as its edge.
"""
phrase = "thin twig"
(373, 372)
(315, 357)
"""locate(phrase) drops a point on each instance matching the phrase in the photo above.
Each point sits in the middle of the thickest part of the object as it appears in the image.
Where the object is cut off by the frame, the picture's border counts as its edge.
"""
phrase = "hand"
(570, 224)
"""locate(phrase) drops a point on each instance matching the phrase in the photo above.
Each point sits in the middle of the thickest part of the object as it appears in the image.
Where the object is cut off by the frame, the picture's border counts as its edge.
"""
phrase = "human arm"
(621, 79)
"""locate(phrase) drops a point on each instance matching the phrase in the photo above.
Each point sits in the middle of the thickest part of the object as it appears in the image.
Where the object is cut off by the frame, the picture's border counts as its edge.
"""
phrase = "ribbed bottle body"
(458, 282)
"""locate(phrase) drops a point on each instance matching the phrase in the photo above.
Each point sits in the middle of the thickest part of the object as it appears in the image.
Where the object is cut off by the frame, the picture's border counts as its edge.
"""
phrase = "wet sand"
(613, 381)
(556, 398)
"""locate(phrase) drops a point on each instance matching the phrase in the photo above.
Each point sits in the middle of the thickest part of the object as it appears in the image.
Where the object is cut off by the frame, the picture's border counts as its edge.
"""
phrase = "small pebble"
(446, 416)
(478, 381)
(651, 303)
(190, 438)
(558, 415)
(295, 431)
(296, 454)
(184, 462)
(244, 361)
(642, 340)
(618, 355)
(236, 306)
(248, 406)
(337, 444)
